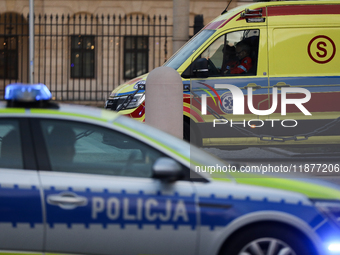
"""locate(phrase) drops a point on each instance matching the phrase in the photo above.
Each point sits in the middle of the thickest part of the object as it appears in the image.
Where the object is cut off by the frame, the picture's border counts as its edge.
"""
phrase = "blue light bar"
(27, 92)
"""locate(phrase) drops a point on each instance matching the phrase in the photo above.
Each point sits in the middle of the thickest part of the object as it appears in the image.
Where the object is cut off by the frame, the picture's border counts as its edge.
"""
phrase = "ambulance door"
(237, 59)
(100, 196)
(304, 56)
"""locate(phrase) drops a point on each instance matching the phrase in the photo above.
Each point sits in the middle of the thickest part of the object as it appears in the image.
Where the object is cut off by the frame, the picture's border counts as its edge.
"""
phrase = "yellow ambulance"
(263, 74)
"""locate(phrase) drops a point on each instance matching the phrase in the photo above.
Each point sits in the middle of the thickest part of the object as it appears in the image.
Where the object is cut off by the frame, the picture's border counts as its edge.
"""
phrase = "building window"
(136, 52)
(82, 56)
(8, 57)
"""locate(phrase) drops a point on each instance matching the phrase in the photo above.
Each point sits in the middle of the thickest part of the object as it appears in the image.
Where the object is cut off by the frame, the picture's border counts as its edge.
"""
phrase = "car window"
(235, 53)
(10, 148)
(188, 151)
(84, 148)
(188, 49)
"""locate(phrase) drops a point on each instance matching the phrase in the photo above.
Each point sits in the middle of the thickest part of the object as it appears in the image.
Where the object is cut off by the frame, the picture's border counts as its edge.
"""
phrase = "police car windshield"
(190, 47)
(196, 155)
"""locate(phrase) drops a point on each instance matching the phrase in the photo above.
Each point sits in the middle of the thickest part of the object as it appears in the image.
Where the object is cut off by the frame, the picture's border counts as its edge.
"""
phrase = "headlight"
(334, 247)
(134, 103)
(331, 209)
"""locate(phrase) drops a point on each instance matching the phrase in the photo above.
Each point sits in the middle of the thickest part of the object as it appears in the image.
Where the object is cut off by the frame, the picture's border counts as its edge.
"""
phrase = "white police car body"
(125, 188)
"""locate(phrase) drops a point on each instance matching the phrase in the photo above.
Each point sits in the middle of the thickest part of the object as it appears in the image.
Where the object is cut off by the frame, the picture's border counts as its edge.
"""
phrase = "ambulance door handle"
(253, 86)
(67, 200)
(281, 85)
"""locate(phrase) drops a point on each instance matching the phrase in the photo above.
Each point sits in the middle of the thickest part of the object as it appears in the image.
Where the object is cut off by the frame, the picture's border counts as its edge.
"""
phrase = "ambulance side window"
(233, 54)
(83, 148)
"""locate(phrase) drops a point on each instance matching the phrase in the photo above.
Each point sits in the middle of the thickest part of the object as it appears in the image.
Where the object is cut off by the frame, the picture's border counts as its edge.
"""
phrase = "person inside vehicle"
(229, 59)
(244, 61)
(61, 142)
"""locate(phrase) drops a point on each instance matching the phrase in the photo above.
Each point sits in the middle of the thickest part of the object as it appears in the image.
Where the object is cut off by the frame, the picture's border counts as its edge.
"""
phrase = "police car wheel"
(273, 240)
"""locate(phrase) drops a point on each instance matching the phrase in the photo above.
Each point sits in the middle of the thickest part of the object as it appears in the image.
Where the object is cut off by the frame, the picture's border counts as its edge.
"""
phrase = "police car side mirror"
(167, 169)
(197, 69)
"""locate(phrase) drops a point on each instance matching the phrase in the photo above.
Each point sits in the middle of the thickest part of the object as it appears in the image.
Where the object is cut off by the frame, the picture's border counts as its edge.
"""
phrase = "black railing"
(82, 57)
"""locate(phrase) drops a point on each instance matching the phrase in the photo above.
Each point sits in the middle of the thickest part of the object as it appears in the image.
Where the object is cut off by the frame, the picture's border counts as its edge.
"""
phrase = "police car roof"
(37, 98)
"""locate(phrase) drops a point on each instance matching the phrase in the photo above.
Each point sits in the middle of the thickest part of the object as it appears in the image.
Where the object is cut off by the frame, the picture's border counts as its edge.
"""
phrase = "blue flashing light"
(27, 92)
(334, 247)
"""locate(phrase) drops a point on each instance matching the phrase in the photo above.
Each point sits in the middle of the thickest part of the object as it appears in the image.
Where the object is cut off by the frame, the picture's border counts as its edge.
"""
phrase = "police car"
(82, 180)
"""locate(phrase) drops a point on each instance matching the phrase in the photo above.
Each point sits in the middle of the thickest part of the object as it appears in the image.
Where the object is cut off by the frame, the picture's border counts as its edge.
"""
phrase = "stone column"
(164, 100)
(181, 9)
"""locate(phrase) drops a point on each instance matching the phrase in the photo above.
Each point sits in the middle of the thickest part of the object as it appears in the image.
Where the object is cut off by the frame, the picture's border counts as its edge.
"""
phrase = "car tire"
(265, 239)
(186, 131)
(190, 135)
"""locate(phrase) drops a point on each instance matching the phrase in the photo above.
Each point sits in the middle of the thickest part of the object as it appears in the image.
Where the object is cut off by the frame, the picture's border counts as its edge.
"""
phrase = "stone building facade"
(85, 48)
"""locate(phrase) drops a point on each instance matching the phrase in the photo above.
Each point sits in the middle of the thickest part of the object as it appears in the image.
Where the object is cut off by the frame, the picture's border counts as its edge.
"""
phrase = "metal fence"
(82, 57)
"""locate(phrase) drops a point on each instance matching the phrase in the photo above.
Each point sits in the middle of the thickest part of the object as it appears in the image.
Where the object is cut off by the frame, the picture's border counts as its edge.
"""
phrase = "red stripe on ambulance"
(303, 10)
